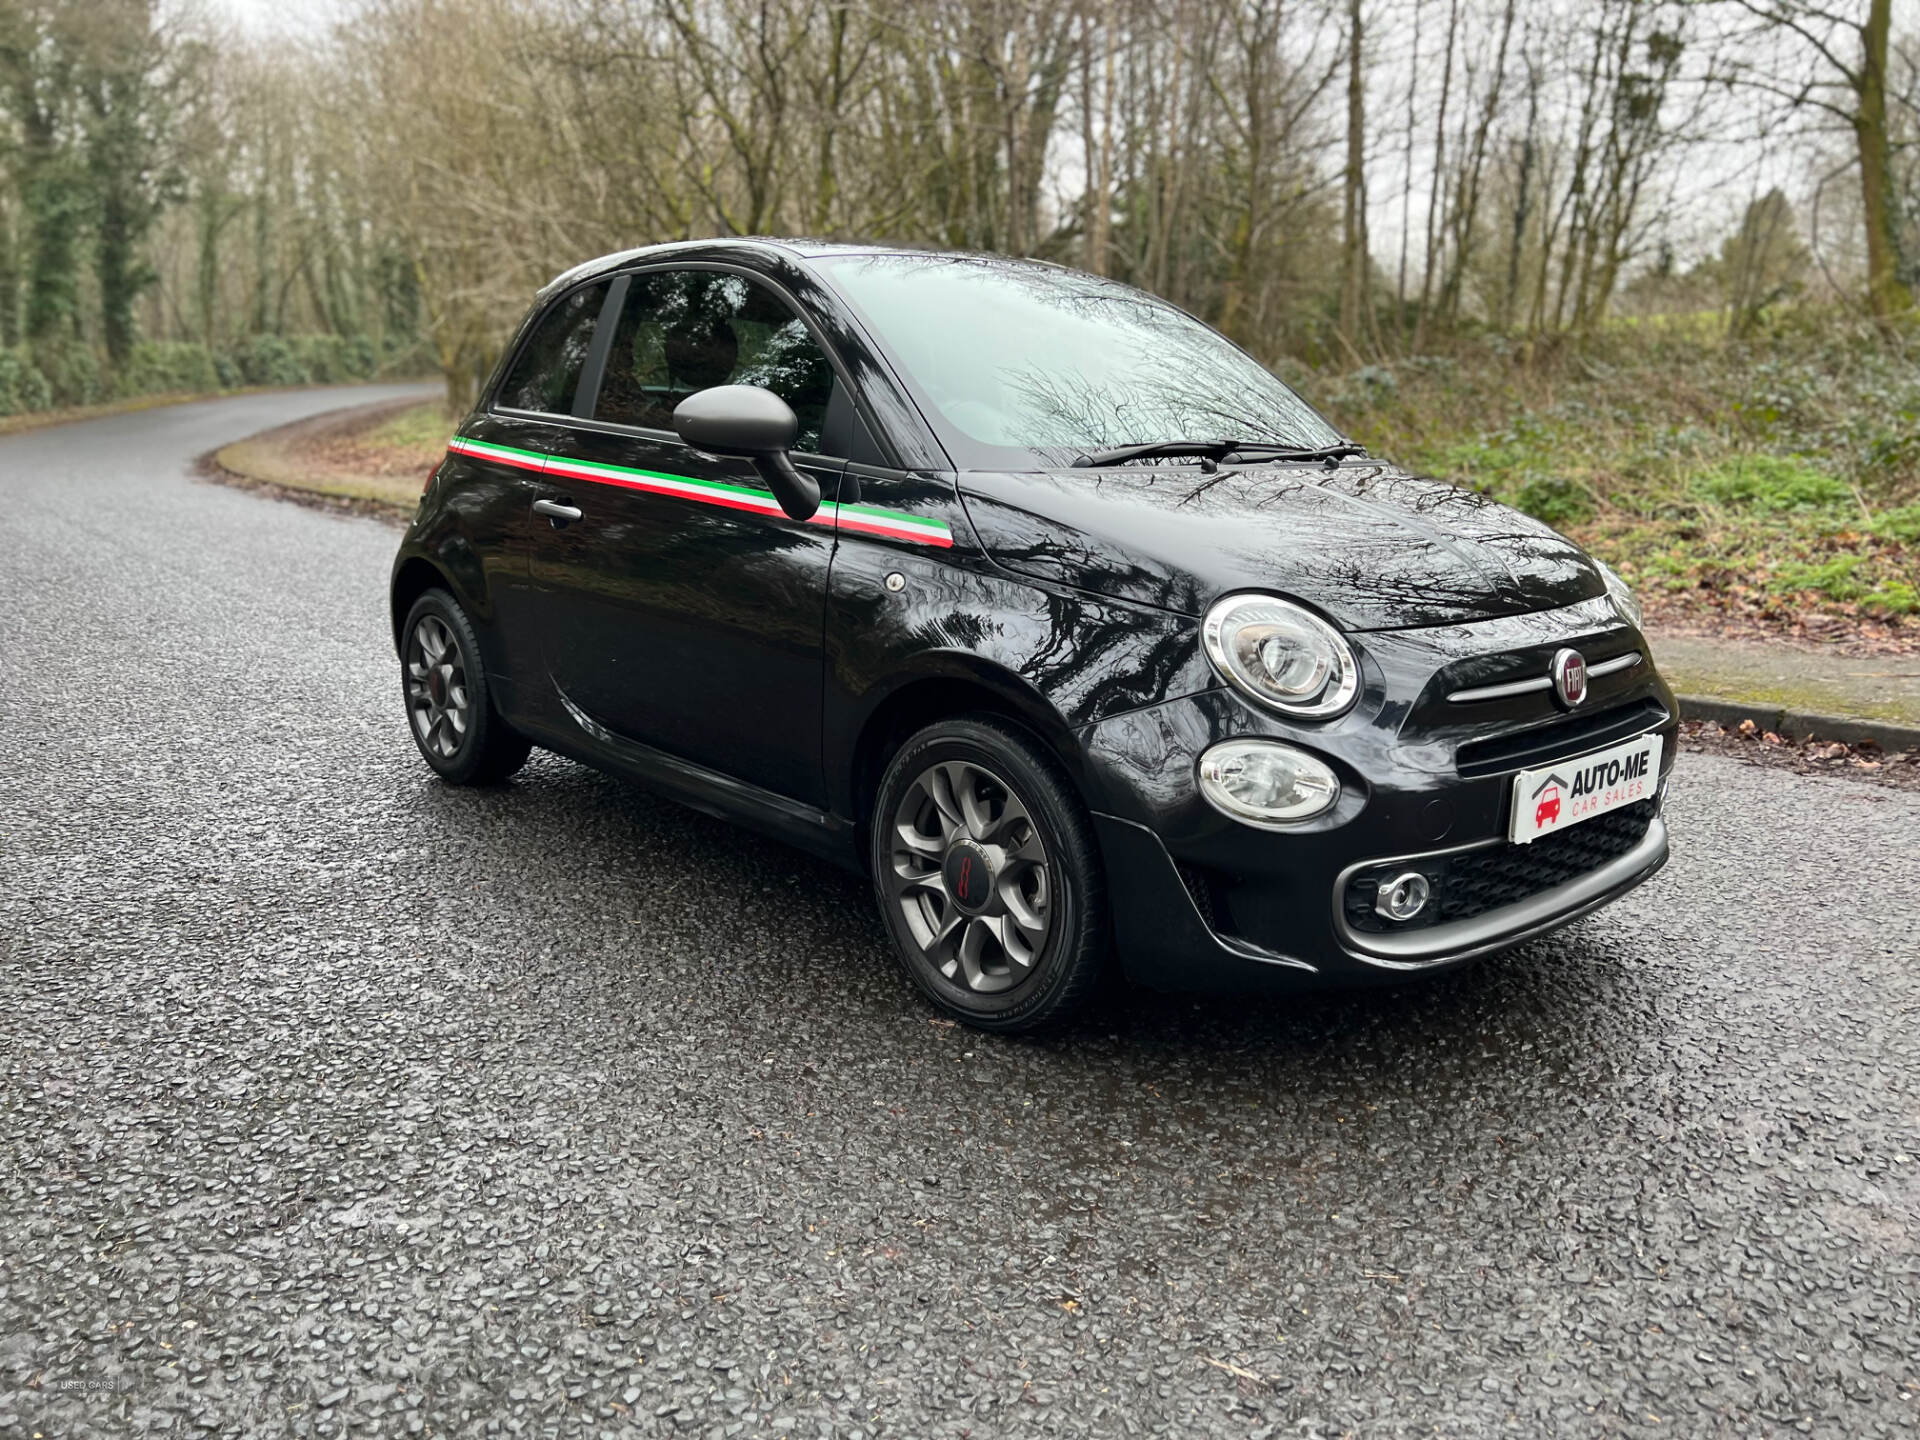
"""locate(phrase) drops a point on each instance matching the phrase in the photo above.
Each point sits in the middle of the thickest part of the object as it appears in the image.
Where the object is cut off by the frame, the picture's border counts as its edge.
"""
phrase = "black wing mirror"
(757, 425)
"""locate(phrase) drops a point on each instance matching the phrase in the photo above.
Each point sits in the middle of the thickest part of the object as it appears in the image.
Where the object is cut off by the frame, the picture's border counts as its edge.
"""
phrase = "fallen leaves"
(1748, 741)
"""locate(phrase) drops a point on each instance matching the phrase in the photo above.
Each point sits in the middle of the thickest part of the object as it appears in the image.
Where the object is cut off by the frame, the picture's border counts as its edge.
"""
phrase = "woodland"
(1647, 268)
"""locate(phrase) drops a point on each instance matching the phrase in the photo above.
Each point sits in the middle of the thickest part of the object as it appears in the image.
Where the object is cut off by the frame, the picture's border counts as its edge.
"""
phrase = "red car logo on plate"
(1548, 808)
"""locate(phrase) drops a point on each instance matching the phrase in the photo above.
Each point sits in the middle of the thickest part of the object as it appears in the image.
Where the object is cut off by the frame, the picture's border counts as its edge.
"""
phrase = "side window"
(687, 330)
(548, 367)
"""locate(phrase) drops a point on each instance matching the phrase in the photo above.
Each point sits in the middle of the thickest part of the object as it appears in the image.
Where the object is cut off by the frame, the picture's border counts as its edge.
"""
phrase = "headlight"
(1622, 597)
(1266, 783)
(1281, 655)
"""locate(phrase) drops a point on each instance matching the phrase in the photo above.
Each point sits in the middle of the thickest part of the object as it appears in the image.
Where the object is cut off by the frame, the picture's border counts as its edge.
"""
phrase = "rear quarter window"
(547, 371)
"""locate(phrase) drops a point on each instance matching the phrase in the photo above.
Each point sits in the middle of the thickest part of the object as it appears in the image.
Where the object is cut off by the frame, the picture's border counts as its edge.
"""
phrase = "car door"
(682, 610)
(494, 465)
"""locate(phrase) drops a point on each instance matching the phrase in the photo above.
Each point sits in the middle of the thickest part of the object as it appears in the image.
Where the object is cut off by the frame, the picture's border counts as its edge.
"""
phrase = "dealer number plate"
(1556, 796)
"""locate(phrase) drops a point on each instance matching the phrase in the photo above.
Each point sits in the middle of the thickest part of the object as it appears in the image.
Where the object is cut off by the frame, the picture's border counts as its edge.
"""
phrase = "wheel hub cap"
(436, 682)
(970, 877)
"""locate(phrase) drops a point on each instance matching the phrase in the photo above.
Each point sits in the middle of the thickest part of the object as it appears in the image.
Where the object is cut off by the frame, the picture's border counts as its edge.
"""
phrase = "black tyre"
(989, 882)
(444, 685)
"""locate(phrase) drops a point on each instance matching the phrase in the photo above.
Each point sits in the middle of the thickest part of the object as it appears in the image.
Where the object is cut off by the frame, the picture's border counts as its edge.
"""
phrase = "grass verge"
(1775, 479)
(373, 458)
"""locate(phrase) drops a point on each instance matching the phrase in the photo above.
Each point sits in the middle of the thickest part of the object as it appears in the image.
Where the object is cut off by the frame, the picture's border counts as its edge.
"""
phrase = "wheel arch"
(953, 684)
(411, 579)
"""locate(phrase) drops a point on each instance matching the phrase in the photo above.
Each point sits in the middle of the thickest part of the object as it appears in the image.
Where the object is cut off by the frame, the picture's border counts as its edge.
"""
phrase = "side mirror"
(757, 425)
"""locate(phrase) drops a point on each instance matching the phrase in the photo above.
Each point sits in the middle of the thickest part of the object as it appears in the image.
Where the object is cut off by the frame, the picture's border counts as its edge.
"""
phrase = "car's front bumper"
(1200, 901)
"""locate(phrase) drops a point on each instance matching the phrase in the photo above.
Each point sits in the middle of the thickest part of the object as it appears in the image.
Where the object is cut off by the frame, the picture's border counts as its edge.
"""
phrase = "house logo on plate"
(1569, 671)
(1546, 797)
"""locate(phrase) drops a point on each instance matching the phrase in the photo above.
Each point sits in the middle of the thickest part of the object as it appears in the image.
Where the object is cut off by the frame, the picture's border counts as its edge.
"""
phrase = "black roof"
(802, 247)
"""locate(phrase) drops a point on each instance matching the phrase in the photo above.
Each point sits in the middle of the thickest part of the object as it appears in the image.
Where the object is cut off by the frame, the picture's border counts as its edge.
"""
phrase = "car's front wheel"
(988, 878)
(449, 709)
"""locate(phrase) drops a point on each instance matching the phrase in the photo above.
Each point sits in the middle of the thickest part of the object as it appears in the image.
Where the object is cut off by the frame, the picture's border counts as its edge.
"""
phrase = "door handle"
(556, 512)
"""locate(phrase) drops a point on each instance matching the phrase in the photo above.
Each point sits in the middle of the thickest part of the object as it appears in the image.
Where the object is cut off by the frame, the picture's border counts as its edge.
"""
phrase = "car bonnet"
(1369, 545)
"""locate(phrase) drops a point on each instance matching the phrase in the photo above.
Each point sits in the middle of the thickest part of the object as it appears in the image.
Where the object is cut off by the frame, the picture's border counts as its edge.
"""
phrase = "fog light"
(1404, 896)
(1266, 783)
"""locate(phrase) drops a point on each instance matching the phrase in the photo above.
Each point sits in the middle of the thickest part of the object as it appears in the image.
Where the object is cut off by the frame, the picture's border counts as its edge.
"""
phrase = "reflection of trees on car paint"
(1389, 547)
(1026, 357)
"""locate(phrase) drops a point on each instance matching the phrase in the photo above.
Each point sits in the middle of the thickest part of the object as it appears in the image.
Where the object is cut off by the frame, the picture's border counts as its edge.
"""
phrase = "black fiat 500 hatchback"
(1042, 603)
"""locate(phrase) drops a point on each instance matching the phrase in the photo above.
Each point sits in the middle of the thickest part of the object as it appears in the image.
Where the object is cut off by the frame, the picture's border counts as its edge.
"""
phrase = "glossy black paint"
(1372, 547)
(758, 667)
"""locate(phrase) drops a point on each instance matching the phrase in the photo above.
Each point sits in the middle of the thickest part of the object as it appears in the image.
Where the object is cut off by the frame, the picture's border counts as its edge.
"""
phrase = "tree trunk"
(825, 180)
(212, 216)
(1435, 191)
(1406, 186)
(1887, 293)
(113, 263)
(262, 222)
(1100, 156)
(1523, 196)
(1354, 262)
(9, 275)
(1467, 203)
(50, 203)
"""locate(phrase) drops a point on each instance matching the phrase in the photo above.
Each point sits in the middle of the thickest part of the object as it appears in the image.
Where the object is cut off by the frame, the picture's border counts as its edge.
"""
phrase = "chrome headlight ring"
(1266, 783)
(1281, 655)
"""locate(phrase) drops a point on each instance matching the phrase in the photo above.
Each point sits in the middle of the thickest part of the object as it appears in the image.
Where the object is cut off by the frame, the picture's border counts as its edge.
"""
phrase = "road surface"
(337, 1102)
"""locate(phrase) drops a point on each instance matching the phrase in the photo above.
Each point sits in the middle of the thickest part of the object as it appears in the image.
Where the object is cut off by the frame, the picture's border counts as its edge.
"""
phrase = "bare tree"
(1355, 260)
(1844, 77)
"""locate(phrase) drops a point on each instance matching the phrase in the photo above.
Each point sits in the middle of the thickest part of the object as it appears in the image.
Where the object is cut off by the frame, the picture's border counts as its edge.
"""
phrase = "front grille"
(1475, 881)
(1545, 744)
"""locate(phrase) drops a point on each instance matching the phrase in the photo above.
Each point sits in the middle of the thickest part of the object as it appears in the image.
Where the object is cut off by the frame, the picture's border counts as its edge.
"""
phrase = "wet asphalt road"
(336, 1102)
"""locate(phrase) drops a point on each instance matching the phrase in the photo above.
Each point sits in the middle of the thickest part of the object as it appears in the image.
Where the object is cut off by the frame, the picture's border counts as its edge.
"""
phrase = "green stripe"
(891, 517)
(746, 490)
(894, 516)
(488, 445)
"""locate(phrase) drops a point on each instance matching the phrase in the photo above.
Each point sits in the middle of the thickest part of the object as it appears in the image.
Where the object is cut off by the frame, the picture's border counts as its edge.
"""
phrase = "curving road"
(335, 1102)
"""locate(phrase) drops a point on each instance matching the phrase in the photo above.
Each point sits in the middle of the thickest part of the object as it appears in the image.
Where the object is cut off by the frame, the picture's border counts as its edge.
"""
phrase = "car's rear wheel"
(987, 875)
(449, 708)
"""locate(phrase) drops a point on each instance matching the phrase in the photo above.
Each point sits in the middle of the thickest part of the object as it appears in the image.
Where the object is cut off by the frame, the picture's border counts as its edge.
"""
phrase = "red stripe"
(517, 462)
(555, 466)
(704, 497)
(880, 527)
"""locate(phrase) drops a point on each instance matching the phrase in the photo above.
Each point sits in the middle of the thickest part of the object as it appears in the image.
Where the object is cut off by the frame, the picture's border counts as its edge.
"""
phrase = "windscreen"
(1027, 356)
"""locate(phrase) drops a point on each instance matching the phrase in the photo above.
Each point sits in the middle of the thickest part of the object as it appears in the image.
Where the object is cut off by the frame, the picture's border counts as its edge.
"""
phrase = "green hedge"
(164, 367)
(72, 371)
(22, 386)
(60, 373)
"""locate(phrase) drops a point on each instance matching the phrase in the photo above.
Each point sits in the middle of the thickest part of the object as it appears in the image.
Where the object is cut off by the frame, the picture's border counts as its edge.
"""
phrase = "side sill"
(819, 832)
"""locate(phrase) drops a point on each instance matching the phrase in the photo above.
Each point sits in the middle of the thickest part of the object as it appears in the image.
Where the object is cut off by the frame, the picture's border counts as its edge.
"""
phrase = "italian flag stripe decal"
(865, 519)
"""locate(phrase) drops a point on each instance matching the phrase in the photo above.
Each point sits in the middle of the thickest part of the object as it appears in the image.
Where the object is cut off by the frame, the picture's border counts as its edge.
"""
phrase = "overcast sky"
(270, 17)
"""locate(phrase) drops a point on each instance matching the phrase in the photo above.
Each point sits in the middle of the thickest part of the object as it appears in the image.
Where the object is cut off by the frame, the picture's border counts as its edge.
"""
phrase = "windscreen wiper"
(1160, 450)
(1217, 450)
(1266, 451)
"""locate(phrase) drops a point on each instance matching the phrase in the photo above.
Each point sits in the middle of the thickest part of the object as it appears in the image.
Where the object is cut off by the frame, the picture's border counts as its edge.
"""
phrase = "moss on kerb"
(1810, 697)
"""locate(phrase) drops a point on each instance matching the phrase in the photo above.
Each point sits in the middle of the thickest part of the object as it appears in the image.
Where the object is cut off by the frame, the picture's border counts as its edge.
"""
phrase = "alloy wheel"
(970, 876)
(437, 698)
